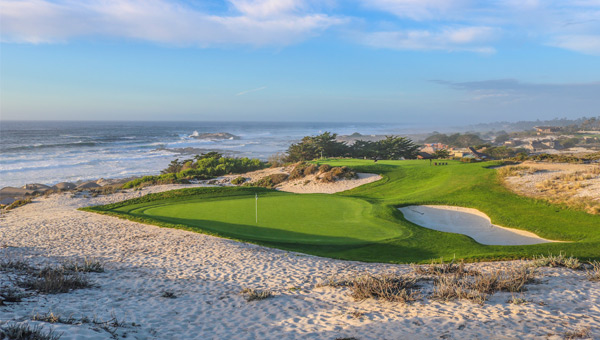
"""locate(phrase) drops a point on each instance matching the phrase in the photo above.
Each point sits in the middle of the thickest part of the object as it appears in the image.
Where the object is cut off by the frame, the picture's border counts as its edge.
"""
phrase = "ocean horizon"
(50, 152)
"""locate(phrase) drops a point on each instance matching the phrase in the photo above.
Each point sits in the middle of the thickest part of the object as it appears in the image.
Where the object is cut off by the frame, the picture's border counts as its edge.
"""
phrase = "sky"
(415, 61)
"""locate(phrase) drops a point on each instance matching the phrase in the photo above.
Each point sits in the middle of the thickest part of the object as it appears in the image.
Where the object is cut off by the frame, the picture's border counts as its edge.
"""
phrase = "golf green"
(364, 223)
(282, 217)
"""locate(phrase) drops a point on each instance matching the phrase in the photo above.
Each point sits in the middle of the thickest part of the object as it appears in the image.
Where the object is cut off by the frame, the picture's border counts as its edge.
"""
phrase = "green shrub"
(205, 167)
(18, 203)
(238, 180)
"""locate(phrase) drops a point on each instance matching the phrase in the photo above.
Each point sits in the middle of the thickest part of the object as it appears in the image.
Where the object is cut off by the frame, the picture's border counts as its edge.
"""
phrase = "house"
(476, 154)
(459, 152)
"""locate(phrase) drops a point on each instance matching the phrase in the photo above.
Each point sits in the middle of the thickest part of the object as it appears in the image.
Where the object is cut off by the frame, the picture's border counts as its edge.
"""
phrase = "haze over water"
(52, 152)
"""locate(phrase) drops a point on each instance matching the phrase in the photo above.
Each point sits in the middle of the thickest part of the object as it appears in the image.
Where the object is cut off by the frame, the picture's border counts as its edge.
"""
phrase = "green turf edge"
(365, 253)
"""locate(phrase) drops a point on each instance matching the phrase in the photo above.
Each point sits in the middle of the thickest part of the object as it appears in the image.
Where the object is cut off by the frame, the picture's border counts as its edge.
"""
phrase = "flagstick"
(256, 205)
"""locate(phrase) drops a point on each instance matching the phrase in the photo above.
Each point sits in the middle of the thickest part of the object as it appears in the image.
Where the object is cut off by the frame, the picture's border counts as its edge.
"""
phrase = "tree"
(310, 148)
(502, 138)
(393, 147)
(441, 154)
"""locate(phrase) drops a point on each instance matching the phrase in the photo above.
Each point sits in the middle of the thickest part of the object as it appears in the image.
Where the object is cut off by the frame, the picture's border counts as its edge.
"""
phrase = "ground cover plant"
(204, 166)
(364, 223)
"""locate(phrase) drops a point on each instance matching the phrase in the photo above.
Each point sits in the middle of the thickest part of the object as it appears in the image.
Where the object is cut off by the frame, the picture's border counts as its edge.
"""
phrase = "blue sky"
(300, 60)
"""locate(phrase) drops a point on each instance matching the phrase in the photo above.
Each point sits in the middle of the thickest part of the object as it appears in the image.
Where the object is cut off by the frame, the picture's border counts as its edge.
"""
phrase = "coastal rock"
(36, 187)
(10, 192)
(88, 185)
(213, 136)
(65, 186)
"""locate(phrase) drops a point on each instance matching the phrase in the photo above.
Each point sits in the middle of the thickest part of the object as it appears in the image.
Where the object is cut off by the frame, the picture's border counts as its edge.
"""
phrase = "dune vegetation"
(364, 223)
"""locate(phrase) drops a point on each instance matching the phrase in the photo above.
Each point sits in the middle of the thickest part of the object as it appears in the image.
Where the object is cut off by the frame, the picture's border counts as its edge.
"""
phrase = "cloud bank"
(425, 25)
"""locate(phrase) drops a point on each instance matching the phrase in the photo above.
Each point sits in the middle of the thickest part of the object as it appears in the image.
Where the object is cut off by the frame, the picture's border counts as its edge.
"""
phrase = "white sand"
(206, 273)
(527, 184)
(470, 222)
(308, 184)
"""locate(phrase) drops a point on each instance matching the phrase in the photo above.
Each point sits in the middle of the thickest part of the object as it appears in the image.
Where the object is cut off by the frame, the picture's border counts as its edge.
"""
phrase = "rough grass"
(579, 333)
(391, 288)
(441, 268)
(251, 294)
(563, 188)
(559, 260)
(477, 288)
(54, 280)
(18, 203)
(168, 295)
(87, 266)
(24, 331)
(593, 274)
(270, 181)
(11, 295)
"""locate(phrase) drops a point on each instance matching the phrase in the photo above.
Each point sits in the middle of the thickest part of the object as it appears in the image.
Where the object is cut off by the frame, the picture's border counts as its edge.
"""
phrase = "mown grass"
(364, 223)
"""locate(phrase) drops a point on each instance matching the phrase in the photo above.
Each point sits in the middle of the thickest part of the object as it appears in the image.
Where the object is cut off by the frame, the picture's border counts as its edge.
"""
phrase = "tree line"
(326, 145)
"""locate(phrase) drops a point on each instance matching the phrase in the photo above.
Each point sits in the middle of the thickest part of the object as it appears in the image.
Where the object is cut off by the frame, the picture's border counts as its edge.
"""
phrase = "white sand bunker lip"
(470, 222)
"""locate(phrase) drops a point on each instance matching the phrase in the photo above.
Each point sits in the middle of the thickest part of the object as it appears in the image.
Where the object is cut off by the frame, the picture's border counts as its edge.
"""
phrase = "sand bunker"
(470, 222)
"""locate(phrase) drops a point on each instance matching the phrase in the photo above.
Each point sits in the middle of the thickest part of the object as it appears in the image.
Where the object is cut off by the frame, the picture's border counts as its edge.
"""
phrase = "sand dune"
(207, 273)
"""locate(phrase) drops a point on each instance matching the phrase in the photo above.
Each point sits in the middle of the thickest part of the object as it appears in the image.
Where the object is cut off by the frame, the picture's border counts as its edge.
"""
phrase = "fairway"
(364, 223)
(309, 219)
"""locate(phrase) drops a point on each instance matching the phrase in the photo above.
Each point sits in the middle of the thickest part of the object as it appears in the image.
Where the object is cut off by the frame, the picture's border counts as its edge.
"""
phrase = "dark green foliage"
(392, 147)
(569, 142)
(238, 180)
(502, 138)
(456, 140)
(311, 147)
(441, 154)
(204, 167)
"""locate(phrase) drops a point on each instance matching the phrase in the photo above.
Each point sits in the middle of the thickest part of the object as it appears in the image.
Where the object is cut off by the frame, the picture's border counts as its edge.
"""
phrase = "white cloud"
(451, 39)
(264, 22)
(416, 9)
(588, 44)
(573, 25)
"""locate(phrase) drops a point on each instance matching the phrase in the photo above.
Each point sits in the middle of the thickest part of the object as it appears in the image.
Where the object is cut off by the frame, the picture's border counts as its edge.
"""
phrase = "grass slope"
(364, 224)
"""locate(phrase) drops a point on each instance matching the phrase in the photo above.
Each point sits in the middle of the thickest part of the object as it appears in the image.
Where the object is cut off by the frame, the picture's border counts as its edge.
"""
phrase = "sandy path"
(206, 273)
(470, 222)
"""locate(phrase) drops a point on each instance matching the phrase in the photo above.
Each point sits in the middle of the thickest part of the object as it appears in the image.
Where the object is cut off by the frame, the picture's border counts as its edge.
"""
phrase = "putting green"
(364, 224)
(282, 217)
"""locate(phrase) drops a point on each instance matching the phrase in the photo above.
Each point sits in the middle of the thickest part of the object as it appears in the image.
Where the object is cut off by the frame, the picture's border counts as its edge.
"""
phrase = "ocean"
(52, 152)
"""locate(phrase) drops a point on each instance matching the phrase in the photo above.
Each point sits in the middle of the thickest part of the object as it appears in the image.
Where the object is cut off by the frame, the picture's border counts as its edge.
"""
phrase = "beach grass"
(364, 223)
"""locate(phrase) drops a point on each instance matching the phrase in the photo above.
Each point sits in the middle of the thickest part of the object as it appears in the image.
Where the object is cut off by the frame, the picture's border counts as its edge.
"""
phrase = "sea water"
(52, 152)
